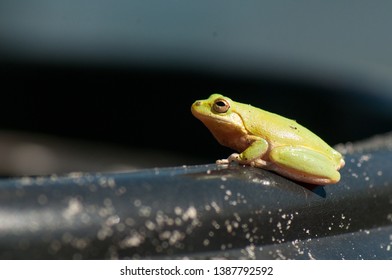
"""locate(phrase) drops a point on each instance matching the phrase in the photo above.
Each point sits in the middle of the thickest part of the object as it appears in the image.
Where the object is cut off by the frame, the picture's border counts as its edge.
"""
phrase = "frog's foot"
(233, 157)
(341, 164)
(222, 161)
(236, 158)
(259, 163)
(305, 165)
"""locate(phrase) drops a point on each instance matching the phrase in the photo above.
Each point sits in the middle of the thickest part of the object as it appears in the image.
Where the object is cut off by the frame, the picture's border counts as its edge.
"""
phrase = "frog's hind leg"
(303, 164)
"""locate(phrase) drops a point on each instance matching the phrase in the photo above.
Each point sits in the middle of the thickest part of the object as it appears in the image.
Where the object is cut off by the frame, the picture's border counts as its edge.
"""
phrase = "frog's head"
(219, 114)
(217, 109)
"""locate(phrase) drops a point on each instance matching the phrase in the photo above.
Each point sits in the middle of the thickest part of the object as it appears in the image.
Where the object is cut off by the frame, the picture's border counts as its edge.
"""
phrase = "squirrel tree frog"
(269, 141)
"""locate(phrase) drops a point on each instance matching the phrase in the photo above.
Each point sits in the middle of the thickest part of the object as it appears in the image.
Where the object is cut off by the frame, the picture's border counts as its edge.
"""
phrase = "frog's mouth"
(221, 123)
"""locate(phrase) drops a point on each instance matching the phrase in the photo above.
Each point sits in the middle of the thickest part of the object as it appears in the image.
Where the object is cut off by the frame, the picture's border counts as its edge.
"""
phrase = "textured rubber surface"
(200, 212)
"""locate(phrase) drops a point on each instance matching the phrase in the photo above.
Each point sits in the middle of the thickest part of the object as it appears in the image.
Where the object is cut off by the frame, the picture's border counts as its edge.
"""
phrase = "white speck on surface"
(120, 191)
(190, 213)
(132, 241)
(310, 256)
(215, 224)
(228, 192)
(42, 199)
(237, 217)
(379, 173)
(105, 182)
(105, 211)
(261, 181)
(178, 221)
(85, 218)
(107, 202)
(172, 236)
(74, 208)
(26, 181)
(79, 243)
(178, 210)
(250, 251)
(104, 232)
(111, 182)
(129, 222)
(137, 202)
(215, 206)
(145, 211)
(112, 220)
(229, 228)
(233, 203)
(364, 158)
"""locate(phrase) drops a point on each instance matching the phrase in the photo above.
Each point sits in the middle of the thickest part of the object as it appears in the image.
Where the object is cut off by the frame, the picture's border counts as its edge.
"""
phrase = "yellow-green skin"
(269, 141)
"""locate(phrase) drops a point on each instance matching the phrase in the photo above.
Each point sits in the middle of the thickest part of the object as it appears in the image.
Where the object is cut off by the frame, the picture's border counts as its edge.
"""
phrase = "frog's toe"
(222, 161)
(233, 157)
(341, 164)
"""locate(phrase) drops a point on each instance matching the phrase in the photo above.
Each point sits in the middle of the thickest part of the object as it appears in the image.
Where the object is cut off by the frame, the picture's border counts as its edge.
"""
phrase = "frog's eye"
(221, 106)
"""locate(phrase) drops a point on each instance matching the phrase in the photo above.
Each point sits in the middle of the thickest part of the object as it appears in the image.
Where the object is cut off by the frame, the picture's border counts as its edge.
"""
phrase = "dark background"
(123, 74)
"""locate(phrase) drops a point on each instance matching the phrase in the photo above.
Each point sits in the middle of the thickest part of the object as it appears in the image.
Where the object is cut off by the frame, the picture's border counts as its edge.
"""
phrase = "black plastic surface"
(200, 212)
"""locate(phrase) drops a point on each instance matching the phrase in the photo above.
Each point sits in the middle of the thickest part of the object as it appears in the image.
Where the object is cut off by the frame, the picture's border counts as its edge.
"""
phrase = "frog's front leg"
(251, 155)
(303, 164)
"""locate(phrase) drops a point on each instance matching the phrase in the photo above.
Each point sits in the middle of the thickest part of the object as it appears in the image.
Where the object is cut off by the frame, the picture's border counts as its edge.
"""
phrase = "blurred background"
(108, 85)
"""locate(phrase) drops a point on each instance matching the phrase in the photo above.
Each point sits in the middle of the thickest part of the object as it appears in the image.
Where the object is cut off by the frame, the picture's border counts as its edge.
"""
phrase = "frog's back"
(279, 131)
